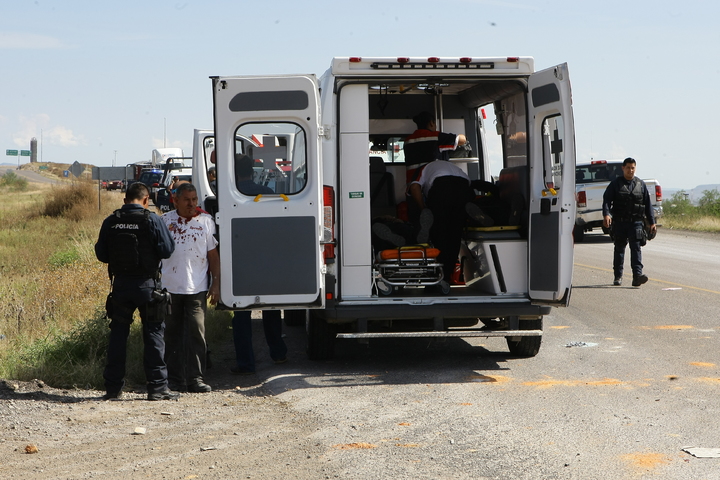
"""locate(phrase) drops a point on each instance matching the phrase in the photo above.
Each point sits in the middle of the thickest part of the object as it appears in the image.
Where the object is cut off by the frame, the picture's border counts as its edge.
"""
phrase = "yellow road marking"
(653, 279)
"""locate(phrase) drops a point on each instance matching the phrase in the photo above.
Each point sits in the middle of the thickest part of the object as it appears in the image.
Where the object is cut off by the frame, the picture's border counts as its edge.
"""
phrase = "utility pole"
(115, 158)
(164, 132)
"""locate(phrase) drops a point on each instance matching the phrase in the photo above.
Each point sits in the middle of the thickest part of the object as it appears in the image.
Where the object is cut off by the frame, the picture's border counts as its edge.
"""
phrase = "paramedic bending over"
(425, 145)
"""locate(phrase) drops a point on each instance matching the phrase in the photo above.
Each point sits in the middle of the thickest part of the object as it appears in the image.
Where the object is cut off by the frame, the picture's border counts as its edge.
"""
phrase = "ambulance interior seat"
(382, 189)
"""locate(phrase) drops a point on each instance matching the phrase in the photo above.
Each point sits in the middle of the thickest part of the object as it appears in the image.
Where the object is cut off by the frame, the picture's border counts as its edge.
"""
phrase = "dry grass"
(53, 289)
(693, 223)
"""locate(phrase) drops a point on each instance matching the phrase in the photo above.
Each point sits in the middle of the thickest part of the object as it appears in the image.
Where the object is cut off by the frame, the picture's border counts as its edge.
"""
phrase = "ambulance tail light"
(658, 193)
(581, 199)
(328, 222)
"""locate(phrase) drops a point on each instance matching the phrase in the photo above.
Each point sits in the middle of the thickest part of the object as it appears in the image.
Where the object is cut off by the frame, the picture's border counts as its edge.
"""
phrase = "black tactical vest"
(130, 242)
(628, 204)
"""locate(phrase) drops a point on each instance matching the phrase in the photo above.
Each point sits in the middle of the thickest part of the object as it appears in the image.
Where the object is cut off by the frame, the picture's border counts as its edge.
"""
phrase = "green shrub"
(64, 257)
(13, 181)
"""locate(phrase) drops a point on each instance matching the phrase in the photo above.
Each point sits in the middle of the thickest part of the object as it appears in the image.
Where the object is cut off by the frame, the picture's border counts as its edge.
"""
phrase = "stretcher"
(408, 266)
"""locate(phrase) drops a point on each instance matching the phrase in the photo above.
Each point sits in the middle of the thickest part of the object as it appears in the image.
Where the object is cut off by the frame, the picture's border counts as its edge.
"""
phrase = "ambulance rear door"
(552, 186)
(271, 225)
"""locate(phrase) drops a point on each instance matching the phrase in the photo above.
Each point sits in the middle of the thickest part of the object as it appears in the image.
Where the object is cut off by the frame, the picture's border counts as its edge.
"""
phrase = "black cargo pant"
(446, 199)
(128, 295)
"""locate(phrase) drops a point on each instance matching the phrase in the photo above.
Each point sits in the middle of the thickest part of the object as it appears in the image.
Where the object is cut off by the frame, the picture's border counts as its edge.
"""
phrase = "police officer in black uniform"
(132, 242)
(628, 200)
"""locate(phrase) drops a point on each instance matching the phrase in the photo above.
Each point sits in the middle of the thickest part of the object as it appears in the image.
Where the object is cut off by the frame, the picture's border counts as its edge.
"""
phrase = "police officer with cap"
(132, 242)
(628, 200)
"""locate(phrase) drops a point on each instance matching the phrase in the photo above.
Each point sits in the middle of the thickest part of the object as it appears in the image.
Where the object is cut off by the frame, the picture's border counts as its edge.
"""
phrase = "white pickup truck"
(591, 180)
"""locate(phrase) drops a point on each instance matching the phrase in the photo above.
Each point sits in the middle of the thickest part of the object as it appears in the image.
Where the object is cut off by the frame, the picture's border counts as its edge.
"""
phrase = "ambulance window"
(553, 142)
(270, 158)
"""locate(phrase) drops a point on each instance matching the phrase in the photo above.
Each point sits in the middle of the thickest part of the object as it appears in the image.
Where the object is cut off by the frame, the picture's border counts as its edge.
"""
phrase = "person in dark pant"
(626, 203)
(132, 241)
(185, 275)
(242, 337)
(241, 324)
(445, 189)
(423, 146)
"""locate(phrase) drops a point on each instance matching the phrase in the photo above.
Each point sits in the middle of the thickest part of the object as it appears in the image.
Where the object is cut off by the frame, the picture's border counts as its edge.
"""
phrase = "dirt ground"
(235, 431)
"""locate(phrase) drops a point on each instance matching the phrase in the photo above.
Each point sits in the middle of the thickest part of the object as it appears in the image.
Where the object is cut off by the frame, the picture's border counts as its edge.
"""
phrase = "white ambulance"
(328, 154)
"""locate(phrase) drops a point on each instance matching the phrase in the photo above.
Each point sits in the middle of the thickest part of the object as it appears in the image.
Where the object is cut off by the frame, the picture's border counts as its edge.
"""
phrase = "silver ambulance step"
(452, 333)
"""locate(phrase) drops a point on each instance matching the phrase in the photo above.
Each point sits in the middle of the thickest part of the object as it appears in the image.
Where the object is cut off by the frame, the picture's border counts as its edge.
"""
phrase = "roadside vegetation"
(680, 213)
(53, 289)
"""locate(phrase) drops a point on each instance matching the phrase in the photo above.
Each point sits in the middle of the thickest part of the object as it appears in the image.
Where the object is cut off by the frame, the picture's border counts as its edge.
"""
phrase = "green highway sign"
(24, 153)
(11, 152)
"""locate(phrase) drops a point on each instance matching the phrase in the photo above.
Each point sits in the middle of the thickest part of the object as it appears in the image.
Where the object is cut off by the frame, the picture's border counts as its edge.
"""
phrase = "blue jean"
(626, 233)
(242, 337)
(128, 296)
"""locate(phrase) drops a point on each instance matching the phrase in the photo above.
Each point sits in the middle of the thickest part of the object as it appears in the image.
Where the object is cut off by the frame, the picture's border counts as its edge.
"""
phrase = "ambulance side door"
(269, 186)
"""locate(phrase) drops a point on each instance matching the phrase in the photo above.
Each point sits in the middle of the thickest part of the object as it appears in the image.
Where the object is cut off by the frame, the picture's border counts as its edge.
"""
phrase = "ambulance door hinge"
(324, 131)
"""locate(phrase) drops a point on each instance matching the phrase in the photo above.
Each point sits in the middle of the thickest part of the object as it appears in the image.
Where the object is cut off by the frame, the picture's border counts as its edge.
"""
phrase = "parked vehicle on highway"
(175, 168)
(115, 185)
(591, 181)
(307, 246)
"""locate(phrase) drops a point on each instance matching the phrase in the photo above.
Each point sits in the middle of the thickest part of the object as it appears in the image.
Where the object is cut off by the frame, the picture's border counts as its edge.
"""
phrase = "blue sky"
(100, 81)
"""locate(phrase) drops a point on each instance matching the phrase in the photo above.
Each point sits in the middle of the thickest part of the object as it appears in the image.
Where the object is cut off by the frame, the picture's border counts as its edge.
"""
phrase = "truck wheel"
(526, 346)
(294, 318)
(320, 337)
(579, 234)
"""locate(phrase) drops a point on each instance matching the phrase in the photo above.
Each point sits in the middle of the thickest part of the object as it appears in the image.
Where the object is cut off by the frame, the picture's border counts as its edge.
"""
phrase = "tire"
(294, 318)
(579, 234)
(526, 347)
(320, 337)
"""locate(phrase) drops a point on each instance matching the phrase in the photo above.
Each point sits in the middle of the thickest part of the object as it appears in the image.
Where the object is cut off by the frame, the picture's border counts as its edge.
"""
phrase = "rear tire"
(294, 318)
(320, 337)
(579, 234)
(526, 347)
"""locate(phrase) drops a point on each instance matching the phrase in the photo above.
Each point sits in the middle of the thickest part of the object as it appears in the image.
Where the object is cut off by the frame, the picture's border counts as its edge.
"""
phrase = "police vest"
(131, 246)
(628, 205)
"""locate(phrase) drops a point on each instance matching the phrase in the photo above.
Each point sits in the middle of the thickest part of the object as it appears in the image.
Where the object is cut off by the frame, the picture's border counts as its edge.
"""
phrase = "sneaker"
(383, 232)
(639, 280)
(112, 395)
(426, 221)
(241, 371)
(477, 215)
(199, 387)
(618, 281)
(280, 361)
(163, 395)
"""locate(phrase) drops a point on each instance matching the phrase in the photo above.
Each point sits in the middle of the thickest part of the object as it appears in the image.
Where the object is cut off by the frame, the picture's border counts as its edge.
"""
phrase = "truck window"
(278, 154)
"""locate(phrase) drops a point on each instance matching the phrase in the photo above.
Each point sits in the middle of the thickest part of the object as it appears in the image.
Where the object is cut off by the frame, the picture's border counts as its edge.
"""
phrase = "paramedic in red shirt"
(426, 145)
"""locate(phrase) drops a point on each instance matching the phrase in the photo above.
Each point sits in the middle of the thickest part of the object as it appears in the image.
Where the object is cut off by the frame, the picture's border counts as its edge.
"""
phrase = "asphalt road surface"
(626, 378)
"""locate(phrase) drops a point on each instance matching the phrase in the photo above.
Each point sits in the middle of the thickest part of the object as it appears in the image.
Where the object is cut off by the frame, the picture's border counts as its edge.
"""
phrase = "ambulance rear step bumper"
(451, 333)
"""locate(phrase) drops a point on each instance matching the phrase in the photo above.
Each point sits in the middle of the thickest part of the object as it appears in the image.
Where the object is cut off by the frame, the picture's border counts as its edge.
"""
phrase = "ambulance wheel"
(526, 347)
(320, 337)
(294, 318)
(578, 234)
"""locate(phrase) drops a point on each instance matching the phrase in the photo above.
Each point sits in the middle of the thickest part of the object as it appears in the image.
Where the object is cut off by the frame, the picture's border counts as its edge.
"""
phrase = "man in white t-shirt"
(446, 190)
(185, 275)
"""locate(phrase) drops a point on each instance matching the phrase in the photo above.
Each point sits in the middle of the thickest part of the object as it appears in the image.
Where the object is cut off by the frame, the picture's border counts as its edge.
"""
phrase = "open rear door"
(552, 186)
(269, 191)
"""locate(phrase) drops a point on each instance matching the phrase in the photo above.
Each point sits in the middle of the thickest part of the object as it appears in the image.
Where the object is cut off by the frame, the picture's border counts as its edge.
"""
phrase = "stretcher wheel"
(384, 288)
(444, 287)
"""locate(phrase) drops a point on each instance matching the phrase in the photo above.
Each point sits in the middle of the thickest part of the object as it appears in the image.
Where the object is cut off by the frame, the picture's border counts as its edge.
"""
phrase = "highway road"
(626, 378)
